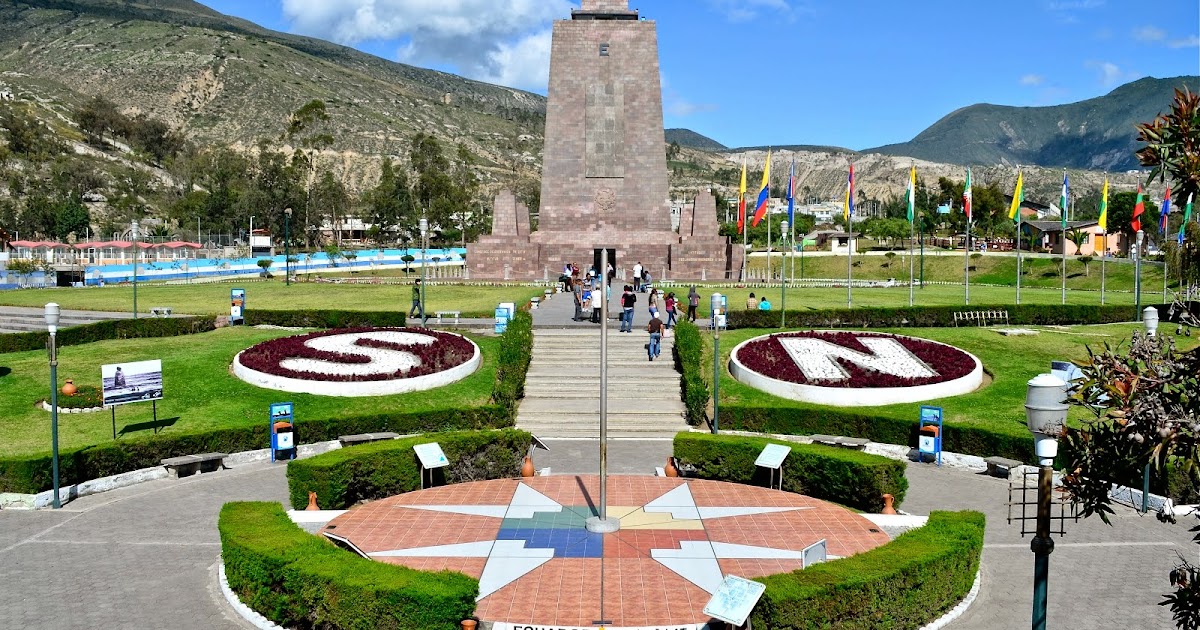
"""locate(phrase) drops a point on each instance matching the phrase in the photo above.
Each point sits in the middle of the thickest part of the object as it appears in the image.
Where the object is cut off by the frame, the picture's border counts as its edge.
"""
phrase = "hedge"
(31, 473)
(831, 473)
(906, 583)
(314, 318)
(141, 328)
(377, 470)
(933, 316)
(301, 581)
(689, 348)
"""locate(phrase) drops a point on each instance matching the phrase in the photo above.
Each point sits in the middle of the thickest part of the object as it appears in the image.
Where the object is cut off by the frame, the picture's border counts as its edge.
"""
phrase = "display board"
(140, 381)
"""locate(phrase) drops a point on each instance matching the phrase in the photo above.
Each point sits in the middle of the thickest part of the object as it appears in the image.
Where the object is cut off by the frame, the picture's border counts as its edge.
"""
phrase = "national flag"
(1104, 207)
(967, 196)
(912, 194)
(1138, 208)
(1187, 216)
(1064, 199)
(848, 210)
(791, 194)
(1166, 209)
(1014, 210)
(742, 201)
(764, 193)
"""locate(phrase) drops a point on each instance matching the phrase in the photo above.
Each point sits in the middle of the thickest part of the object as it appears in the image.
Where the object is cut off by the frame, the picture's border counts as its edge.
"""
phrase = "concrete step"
(569, 407)
(593, 431)
(650, 392)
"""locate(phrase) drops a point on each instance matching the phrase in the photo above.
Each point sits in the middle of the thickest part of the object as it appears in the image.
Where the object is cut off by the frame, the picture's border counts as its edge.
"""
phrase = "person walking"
(693, 304)
(671, 304)
(652, 303)
(628, 299)
(418, 309)
(637, 277)
(655, 328)
(577, 292)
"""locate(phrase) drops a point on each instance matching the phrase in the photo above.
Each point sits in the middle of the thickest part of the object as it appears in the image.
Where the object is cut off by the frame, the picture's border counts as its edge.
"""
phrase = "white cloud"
(1149, 34)
(1032, 79)
(677, 105)
(1075, 5)
(1110, 73)
(501, 42)
(749, 10)
(1186, 42)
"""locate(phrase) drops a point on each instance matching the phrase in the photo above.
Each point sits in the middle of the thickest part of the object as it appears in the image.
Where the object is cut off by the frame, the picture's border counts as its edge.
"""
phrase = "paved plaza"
(145, 556)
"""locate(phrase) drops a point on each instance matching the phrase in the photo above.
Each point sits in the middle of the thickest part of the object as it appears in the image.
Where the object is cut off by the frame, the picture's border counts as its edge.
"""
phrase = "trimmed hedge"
(141, 328)
(378, 470)
(301, 581)
(831, 473)
(689, 348)
(933, 316)
(906, 583)
(516, 350)
(316, 318)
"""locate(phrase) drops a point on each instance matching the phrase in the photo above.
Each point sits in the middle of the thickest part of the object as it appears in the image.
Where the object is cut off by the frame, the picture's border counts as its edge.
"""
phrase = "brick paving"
(145, 556)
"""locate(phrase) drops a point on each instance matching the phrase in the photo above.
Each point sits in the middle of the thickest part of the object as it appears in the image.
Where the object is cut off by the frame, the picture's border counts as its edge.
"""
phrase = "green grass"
(213, 299)
(198, 390)
(1010, 362)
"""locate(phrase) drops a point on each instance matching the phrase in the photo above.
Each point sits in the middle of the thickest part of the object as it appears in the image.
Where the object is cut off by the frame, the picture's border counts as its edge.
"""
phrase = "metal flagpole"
(601, 524)
(745, 243)
(768, 248)
(792, 244)
(1064, 266)
(967, 263)
(911, 230)
(1018, 253)
(1103, 255)
(849, 260)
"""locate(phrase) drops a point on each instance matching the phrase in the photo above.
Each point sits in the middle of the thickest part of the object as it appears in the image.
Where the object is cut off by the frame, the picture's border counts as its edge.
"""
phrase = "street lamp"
(1150, 320)
(134, 231)
(52, 312)
(287, 252)
(783, 229)
(1045, 413)
(424, 225)
(714, 308)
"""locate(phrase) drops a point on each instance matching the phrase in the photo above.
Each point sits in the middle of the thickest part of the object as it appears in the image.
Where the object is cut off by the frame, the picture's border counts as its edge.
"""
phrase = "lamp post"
(1045, 413)
(250, 237)
(287, 251)
(134, 233)
(1150, 321)
(424, 225)
(714, 308)
(52, 312)
(783, 231)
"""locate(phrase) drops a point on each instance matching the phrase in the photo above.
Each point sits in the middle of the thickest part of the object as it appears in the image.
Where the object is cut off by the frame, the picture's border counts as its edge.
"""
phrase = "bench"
(1001, 466)
(160, 311)
(440, 314)
(364, 438)
(981, 318)
(187, 465)
(839, 440)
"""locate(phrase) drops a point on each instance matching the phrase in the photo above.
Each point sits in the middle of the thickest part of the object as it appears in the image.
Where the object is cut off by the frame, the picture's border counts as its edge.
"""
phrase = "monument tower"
(604, 176)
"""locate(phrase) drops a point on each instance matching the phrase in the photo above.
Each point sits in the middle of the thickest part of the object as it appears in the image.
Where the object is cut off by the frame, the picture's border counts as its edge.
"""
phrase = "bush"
(516, 349)
(142, 328)
(315, 318)
(689, 349)
(85, 397)
(378, 470)
(300, 581)
(832, 473)
(906, 583)
(933, 316)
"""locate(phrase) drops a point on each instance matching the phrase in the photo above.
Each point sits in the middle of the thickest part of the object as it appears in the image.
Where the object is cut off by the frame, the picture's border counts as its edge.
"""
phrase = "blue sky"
(759, 72)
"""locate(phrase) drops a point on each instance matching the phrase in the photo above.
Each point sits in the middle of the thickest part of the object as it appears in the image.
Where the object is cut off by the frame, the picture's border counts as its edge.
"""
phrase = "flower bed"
(359, 361)
(835, 368)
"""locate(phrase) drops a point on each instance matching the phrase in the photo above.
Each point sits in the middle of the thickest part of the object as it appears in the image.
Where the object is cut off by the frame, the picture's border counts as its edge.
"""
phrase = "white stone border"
(856, 396)
(243, 611)
(46, 407)
(359, 388)
(957, 611)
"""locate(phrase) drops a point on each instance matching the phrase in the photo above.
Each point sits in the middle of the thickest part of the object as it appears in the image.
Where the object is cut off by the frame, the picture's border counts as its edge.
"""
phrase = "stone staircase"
(562, 388)
(19, 319)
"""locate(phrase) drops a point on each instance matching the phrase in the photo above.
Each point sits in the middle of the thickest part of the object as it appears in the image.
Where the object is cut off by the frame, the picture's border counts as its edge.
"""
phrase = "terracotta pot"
(527, 467)
(69, 389)
(312, 503)
(888, 500)
(670, 468)
(469, 624)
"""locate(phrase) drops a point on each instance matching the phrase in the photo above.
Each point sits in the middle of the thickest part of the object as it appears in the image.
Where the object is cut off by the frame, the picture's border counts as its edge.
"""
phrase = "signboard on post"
(237, 306)
(124, 383)
(929, 436)
(283, 431)
(734, 600)
(772, 457)
(719, 315)
(431, 457)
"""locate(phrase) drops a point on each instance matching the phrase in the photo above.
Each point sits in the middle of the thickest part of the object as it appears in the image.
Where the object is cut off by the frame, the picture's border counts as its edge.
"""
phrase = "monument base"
(597, 525)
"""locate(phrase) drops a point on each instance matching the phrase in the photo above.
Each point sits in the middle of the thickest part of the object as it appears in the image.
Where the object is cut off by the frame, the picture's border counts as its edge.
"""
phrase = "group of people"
(762, 304)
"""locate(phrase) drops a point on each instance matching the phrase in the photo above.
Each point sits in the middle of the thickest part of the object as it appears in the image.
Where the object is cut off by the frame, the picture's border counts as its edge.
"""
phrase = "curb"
(243, 611)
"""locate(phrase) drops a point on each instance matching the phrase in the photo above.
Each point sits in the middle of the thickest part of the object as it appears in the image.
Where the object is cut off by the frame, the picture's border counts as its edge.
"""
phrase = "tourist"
(693, 304)
(751, 302)
(671, 304)
(655, 328)
(764, 305)
(577, 293)
(418, 309)
(652, 303)
(646, 281)
(628, 299)
(637, 277)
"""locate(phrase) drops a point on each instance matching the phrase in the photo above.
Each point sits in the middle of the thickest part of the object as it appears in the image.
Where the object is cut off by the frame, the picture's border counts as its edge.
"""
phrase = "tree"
(71, 218)
(388, 203)
(23, 267)
(99, 117)
(1173, 145)
(1120, 215)
(27, 136)
(265, 265)
(1078, 237)
(330, 201)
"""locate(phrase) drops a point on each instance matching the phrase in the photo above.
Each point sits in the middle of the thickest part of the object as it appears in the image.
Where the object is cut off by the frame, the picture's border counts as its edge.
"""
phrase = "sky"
(779, 72)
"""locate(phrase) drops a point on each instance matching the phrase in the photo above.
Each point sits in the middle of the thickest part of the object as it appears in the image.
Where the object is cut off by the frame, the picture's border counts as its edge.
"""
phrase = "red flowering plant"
(767, 356)
(447, 351)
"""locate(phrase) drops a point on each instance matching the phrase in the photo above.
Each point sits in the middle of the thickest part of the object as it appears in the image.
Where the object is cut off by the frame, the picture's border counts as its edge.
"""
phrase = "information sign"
(237, 305)
(734, 600)
(431, 455)
(140, 381)
(929, 436)
(773, 455)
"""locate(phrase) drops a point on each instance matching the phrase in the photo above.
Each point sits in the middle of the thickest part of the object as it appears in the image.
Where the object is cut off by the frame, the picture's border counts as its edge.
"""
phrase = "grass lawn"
(213, 299)
(199, 390)
(1011, 362)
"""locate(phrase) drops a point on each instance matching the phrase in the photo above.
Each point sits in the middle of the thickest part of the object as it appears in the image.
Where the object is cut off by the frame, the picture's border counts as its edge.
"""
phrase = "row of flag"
(1014, 211)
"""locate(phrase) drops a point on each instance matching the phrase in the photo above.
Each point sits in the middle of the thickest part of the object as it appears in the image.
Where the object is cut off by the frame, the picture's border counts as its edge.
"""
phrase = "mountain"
(1094, 134)
(693, 140)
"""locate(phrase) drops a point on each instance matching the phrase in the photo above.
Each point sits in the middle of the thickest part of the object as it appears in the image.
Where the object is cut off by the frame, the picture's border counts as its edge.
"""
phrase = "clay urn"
(527, 467)
(888, 508)
(312, 503)
(69, 389)
(469, 624)
(670, 468)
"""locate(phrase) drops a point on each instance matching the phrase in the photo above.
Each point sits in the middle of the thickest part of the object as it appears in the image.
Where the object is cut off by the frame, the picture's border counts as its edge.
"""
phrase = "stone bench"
(161, 311)
(187, 465)
(440, 314)
(364, 438)
(1001, 466)
(839, 440)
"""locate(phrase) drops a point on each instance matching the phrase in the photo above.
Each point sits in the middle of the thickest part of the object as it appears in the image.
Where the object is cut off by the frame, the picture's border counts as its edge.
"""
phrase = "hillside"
(693, 140)
(1094, 134)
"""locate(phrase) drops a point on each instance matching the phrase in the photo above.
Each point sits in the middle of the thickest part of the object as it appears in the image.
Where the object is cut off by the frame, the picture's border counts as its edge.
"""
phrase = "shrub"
(516, 349)
(316, 318)
(300, 581)
(906, 583)
(142, 328)
(832, 473)
(377, 470)
(689, 349)
(85, 397)
(933, 316)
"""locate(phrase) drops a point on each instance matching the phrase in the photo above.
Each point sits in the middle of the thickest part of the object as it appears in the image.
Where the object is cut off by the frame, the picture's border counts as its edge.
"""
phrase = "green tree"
(330, 204)
(1120, 215)
(27, 136)
(388, 203)
(99, 117)
(1078, 237)
(71, 218)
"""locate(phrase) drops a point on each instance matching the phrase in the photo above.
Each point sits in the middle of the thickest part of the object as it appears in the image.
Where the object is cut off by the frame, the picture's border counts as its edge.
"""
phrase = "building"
(102, 252)
(1048, 236)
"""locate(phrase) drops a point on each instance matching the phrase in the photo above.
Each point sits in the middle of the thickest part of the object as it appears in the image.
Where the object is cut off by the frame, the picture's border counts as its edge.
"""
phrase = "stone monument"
(604, 180)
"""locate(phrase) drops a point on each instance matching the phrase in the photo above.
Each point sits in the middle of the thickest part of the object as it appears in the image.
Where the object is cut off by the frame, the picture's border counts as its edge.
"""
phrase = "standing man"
(693, 303)
(637, 276)
(577, 291)
(628, 299)
(418, 309)
(655, 328)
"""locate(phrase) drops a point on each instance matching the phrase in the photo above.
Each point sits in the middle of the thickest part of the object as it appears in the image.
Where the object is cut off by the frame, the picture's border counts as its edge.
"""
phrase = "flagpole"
(1063, 240)
(849, 259)
(745, 245)
(768, 246)
(967, 264)
(1018, 254)
(911, 234)
(1103, 255)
